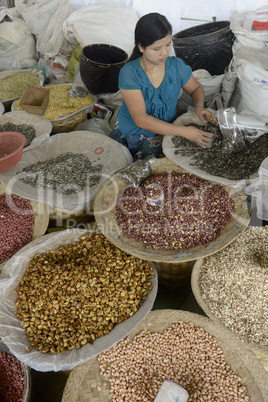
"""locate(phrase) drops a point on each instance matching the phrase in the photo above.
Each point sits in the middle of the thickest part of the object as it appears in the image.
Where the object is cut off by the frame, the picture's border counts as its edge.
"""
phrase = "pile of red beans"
(193, 211)
(16, 224)
(12, 378)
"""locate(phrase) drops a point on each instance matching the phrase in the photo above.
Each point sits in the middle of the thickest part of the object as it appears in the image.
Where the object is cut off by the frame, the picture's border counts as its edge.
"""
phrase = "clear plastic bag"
(77, 91)
(253, 126)
(259, 190)
(233, 138)
(138, 171)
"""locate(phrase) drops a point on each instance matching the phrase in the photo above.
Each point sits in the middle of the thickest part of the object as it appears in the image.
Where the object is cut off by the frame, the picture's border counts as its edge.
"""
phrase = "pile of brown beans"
(12, 379)
(16, 224)
(184, 353)
(192, 212)
(78, 292)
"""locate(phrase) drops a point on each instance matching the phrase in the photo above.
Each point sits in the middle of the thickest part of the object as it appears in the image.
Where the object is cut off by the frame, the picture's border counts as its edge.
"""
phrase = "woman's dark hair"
(150, 28)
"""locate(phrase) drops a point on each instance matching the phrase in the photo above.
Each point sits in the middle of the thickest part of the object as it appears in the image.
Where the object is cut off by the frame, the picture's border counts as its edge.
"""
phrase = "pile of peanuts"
(16, 224)
(184, 353)
(192, 212)
(12, 379)
(78, 292)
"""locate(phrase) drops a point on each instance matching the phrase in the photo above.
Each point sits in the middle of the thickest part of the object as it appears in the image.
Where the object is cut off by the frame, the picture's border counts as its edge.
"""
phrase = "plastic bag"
(233, 139)
(77, 91)
(259, 190)
(138, 171)
(95, 124)
(253, 126)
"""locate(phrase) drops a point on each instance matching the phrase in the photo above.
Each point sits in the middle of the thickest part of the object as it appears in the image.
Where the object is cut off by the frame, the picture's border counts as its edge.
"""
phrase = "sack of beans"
(172, 217)
(170, 345)
(14, 377)
(14, 82)
(69, 296)
(231, 287)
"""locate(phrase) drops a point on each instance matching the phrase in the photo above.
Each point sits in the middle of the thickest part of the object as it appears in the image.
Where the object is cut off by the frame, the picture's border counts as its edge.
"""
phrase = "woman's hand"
(205, 115)
(201, 138)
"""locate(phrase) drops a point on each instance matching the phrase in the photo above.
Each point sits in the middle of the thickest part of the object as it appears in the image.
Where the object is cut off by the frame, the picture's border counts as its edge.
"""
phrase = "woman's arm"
(196, 91)
(136, 106)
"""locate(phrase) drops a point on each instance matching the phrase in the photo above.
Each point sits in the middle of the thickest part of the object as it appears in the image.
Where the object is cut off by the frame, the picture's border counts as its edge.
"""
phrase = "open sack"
(12, 333)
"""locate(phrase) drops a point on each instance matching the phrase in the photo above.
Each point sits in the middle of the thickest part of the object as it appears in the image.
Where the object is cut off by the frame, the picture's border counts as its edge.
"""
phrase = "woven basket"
(69, 123)
(260, 353)
(85, 384)
(99, 67)
(174, 276)
(27, 375)
(206, 46)
(68, 219)
(104, 207)
(41, 219)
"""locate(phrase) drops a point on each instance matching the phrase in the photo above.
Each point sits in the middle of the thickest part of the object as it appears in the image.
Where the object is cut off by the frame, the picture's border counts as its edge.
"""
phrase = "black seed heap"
(232, 166)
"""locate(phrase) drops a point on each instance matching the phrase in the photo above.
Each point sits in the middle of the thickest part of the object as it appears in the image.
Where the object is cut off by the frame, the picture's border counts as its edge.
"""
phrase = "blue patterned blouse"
(160, 102)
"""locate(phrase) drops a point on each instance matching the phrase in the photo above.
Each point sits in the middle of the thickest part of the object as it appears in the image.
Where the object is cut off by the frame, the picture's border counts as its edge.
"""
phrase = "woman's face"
(158, 52)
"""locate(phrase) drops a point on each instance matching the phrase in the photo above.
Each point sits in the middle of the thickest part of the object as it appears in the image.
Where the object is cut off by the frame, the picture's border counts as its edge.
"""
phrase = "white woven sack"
(44, 19)
(17, 48)
(240, 24)
(211, 85)
(253, 82)
(107, 22)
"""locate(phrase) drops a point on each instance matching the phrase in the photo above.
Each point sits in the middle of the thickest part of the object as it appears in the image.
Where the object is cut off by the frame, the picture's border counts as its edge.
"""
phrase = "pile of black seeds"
(68, 173)
(26, 129)
(232, 166)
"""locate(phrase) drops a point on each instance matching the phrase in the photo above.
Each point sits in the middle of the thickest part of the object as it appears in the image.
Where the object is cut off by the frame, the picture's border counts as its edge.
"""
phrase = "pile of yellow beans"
(61, 104)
